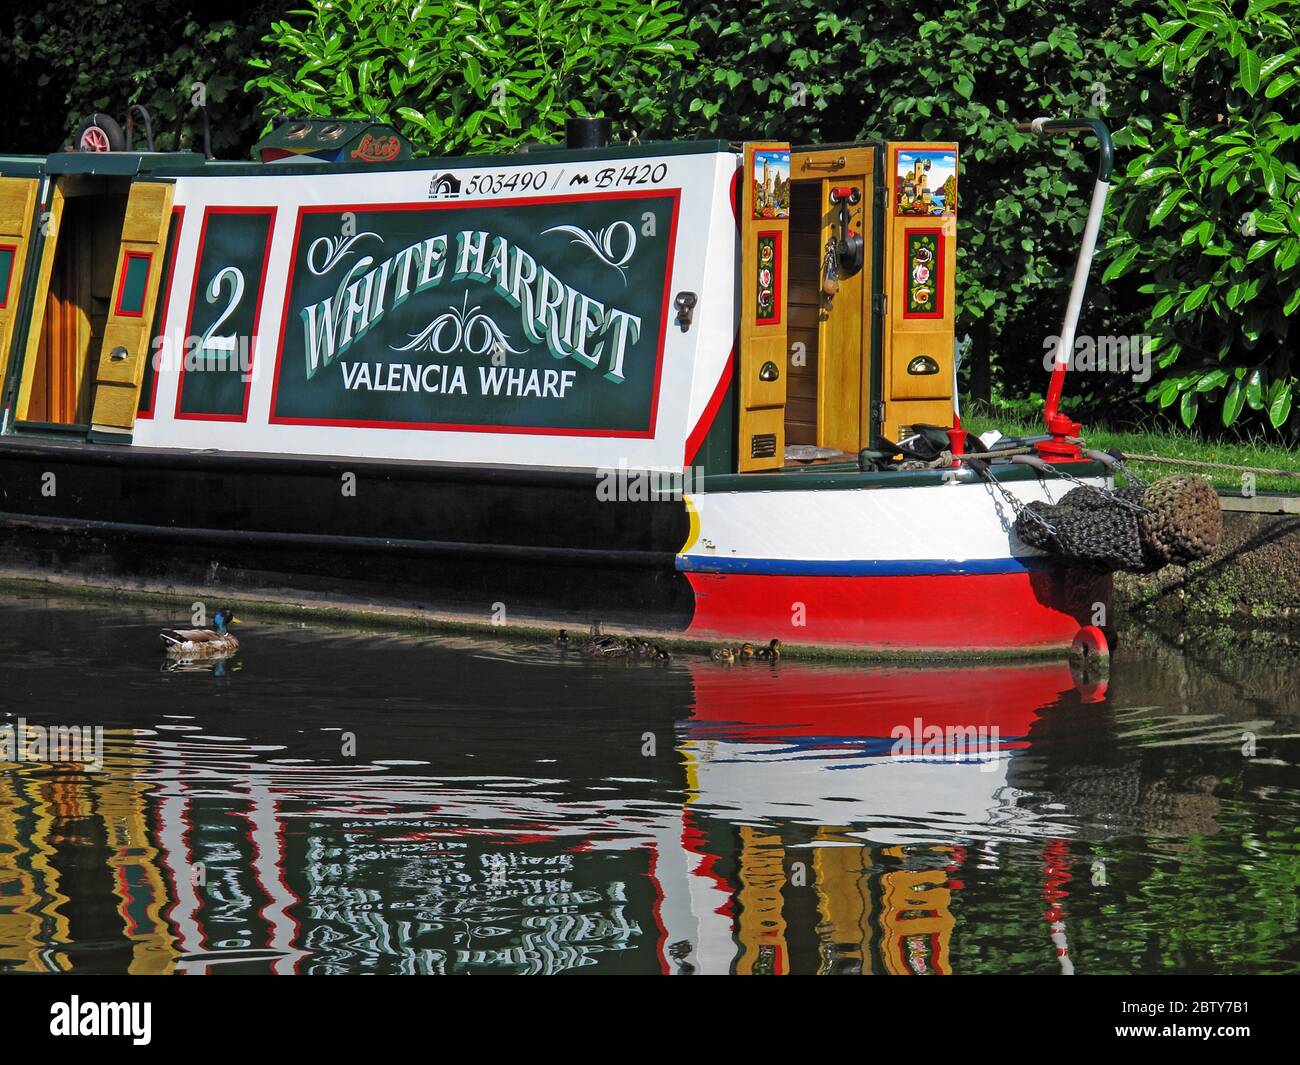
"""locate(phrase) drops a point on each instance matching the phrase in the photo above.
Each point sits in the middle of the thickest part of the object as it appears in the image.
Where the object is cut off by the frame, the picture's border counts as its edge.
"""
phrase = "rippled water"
(337, 802)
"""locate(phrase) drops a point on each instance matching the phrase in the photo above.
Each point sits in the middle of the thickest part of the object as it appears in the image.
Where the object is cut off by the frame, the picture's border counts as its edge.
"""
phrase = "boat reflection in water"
(750, 819)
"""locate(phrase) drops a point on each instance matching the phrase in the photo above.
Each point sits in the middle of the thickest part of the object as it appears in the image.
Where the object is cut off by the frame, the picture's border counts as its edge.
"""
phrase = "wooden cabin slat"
(144, 232)
(25, 409)
(17, 216)
(762, 403)
(911, 399)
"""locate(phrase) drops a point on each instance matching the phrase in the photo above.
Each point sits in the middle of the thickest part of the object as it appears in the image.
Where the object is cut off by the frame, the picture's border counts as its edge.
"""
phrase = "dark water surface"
(337, 802)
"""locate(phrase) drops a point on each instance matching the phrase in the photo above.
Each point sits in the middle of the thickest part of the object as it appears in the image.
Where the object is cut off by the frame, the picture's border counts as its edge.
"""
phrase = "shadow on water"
(333, 802)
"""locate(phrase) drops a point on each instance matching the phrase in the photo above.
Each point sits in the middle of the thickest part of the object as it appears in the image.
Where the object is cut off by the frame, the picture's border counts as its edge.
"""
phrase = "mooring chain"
(1017, 508)
(1106, 493)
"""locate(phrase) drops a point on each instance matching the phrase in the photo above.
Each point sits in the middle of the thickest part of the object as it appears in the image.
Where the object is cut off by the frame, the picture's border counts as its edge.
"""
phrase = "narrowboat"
(660, 386)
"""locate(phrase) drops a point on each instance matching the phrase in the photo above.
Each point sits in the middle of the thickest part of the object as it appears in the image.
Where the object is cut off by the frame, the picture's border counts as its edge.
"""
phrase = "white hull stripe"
(925, 567)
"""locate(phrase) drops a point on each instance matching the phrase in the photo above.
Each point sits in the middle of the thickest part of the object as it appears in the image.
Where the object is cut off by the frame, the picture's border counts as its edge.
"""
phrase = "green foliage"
(1211, 208)
(65, 61)
(962, 71)
(478, 76)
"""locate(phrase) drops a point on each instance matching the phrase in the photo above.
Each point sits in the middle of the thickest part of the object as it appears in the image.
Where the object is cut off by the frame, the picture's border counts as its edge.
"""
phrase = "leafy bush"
(64, 61)
(470, 77)
(960, 71)
(1211, 215)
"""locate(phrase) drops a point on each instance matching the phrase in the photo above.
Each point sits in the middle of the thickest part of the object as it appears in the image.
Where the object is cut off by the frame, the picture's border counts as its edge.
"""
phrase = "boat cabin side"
(657, 306)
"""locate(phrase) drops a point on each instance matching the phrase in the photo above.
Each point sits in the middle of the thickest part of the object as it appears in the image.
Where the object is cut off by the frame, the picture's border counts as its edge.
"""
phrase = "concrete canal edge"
(1254, 576)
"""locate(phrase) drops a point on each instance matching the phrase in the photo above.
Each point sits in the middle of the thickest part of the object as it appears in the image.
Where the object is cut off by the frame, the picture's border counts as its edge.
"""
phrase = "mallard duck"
(746, 651)
(203, 643)
(723, 654)
(771, 652)
(599, 643)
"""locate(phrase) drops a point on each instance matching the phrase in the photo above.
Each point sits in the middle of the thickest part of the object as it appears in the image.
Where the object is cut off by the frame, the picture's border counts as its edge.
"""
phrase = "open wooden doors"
(96, 288)
(17, 216)
(127, 343)
(920, 283)
(764, 270)
(834, 200)
(807, 287)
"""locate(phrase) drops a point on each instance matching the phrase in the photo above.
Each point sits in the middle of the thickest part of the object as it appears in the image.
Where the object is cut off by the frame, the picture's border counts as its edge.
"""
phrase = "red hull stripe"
(920, 567)
(940, 612)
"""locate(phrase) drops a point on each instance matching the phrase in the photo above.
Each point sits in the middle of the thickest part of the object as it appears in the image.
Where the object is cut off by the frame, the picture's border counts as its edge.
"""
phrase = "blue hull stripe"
(923, 567)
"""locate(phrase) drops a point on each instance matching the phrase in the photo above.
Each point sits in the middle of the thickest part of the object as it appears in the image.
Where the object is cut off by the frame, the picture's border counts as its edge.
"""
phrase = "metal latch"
(685, 303)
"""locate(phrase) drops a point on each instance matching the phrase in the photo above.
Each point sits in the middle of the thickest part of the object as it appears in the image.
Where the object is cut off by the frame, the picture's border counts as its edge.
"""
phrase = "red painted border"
(121, 283)
(893, 186)
(208, 212)
(696, 440)
(776, 277)
(443, 205)
(172, 254)
(940, 269)
(13, 263)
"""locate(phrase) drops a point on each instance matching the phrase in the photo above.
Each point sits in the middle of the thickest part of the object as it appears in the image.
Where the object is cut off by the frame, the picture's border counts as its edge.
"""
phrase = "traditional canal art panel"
(925, 182)
(537, 314)
(923, 273)
(220, 340)
(768, 306)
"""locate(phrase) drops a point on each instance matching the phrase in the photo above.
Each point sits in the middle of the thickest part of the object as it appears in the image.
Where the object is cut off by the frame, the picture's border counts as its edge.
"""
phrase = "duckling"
(203, 643)
(746, 651)
(771, 652)
(564, 639)
(661, 654)
(723, 654)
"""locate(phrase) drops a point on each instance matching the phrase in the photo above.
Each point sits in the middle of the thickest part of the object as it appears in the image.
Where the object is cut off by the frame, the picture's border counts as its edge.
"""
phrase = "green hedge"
(59, 62)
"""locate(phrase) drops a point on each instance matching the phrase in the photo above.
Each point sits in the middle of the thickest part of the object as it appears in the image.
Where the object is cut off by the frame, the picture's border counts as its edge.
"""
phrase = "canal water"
(333, 801)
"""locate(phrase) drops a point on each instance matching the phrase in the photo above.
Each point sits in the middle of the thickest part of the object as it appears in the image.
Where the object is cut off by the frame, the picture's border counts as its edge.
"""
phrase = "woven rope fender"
(1088, 527)
(1183, 522)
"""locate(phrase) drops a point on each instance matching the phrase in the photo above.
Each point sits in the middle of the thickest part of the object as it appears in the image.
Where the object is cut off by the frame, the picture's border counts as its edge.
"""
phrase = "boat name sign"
(518, 315)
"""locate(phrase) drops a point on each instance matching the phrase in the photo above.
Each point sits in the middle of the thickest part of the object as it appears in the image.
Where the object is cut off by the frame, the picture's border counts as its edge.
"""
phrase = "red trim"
(696, 440)
(776, 277)
(748, 703)
(13, 262)
(173, 248)
(121, 283)
(442, 205)
(944, 612)
(257, 312)
(937, 274)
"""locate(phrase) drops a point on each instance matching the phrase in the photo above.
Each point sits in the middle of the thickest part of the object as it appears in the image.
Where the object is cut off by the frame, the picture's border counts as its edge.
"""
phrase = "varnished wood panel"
(911, 399)
(762, 403)
(144, 231)
(17, 217)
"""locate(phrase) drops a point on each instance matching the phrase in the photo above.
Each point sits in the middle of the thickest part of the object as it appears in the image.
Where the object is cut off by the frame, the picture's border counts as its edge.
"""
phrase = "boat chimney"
(586, 132)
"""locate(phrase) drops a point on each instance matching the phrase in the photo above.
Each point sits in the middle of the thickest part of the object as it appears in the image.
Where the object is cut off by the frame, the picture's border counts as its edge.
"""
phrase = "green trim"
(875, 422)
(614, 152)
(55, 429)
(113, 164)
(846, 476)
(22, 165)
(96, 436)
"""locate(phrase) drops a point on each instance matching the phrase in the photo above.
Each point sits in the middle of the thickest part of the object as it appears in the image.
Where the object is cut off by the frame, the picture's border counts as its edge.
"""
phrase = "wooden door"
(844, 321)
(17, 216)
(127, 347)
(764, 270)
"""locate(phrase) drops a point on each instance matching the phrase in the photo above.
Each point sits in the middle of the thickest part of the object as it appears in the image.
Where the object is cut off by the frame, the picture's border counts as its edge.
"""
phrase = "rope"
(1213, 465)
